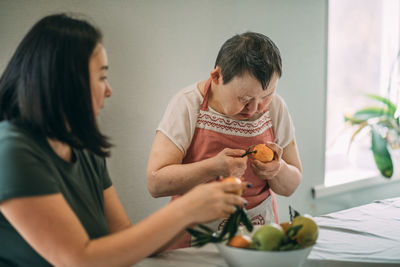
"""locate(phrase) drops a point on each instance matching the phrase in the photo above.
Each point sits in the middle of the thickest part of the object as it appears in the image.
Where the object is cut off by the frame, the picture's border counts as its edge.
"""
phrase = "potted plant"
(383, 123)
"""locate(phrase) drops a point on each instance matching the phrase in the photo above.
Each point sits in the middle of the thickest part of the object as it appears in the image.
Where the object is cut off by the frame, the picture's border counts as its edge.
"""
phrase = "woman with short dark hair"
(57, 202)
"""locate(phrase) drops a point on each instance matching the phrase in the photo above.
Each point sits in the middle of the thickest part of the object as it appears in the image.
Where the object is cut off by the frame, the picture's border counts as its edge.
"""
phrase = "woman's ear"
(216, 75)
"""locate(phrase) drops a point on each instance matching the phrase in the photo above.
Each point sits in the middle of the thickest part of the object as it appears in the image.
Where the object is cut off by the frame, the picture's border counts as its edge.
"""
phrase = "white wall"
(157, 47)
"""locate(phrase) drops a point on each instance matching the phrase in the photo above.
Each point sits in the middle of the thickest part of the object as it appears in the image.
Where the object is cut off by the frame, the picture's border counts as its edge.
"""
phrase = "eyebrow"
(104, 68)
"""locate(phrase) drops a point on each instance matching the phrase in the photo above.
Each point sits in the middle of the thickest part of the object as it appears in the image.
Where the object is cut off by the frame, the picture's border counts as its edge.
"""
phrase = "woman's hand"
(230, 163)
(208, 202)
(269, 170)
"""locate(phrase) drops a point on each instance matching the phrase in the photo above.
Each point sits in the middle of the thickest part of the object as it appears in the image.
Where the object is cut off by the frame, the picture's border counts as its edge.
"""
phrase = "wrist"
(182, 211)
(212, 169)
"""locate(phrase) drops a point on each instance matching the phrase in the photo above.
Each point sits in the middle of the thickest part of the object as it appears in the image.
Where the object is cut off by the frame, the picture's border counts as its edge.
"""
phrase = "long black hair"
(252, 53)
(46, 84)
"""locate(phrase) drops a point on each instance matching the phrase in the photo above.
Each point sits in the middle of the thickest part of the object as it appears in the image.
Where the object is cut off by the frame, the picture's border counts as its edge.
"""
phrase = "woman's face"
(99, 87)
(243, 97)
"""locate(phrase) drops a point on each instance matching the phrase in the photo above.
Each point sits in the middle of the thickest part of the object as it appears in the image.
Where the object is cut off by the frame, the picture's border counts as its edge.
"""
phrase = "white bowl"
(239, 257)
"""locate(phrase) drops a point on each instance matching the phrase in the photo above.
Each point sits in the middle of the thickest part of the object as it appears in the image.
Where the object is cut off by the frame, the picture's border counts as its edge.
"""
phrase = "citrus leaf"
(382, 156)
(246, 221)
(206, 228)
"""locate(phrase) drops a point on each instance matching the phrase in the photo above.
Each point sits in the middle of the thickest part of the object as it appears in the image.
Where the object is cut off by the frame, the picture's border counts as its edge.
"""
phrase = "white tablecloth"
(368, 235)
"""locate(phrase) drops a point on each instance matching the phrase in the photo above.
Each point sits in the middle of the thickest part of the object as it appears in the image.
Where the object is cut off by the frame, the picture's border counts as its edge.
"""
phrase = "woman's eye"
(103, 78)
(244, 101)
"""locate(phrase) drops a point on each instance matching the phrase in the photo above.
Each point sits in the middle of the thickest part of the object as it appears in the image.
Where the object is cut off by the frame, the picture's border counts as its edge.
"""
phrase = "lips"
(246, 115)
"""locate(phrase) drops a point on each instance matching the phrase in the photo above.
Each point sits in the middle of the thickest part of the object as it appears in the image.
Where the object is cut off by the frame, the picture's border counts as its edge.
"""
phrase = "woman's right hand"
(230, 163)
(211, 201)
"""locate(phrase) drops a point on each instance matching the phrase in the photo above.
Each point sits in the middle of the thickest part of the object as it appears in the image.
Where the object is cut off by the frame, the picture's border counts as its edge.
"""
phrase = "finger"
(276, 148)
(260, 165)
(232, 187)
(235, 152)
(235, 200)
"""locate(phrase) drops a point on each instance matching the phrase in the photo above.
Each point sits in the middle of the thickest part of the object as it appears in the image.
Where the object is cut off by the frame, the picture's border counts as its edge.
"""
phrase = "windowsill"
(320, 191)
(353, 171)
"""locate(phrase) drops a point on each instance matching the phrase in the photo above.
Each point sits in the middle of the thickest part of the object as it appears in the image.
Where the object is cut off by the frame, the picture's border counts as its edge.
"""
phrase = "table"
(368, 235)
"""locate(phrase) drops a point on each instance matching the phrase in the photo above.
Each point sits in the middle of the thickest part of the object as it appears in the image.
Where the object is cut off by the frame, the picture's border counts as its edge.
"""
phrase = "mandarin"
(240, 241)
(285, 226)
(233, 179)
(263, 153)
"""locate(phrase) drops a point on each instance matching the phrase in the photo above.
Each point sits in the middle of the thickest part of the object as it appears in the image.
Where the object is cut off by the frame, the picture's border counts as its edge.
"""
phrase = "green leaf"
(353, 120)
(391, 108)
(246, 221)
(293, 230)
(206, 228)
(369, 112)
(382, 156)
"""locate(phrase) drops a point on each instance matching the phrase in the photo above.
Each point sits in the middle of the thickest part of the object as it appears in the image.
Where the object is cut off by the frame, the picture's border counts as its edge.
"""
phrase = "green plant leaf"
(391, 108)
(382, 156)
(353, 120)
(369, 112)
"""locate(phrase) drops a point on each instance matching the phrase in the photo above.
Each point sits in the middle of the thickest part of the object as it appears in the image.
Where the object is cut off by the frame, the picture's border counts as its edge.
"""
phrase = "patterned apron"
(213, 133)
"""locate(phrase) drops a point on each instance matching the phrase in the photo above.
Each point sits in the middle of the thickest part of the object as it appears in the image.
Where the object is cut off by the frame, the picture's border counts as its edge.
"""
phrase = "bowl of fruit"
(241, 244)
(287, 244)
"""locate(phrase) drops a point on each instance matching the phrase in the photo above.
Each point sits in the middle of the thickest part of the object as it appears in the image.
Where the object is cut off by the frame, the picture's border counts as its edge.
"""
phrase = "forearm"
(137, 242)
(287, 180)
(177, 179)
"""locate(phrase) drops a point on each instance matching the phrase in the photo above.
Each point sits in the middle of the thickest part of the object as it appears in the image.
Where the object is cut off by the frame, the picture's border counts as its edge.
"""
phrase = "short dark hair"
(46, 84)
(252, 53)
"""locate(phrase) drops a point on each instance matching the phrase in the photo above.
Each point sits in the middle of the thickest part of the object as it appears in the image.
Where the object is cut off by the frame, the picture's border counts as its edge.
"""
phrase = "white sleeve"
(179, 120)
(281, 121)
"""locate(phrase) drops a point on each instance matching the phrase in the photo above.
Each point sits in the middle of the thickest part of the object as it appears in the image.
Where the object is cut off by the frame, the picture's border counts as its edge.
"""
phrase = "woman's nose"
(108, 92)
(251, 106)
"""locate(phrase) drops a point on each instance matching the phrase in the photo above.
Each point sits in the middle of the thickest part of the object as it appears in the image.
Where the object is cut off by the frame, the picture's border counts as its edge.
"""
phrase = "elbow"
(153, 186)
(73, 259)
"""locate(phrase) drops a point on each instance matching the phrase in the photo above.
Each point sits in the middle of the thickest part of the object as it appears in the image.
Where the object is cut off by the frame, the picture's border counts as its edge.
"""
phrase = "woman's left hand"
(269, 170)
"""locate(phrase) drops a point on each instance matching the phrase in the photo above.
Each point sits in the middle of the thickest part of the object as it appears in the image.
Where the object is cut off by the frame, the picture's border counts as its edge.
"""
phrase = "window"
(363, 42)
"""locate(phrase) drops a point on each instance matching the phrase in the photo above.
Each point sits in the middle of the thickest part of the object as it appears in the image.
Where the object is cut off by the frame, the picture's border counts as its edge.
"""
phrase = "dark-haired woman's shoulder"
(23, 167)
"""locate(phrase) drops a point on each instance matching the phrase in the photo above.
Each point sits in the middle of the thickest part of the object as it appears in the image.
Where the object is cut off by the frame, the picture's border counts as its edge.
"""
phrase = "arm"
(49, 225)
(284, 173)
(116, 217)
(167, 176)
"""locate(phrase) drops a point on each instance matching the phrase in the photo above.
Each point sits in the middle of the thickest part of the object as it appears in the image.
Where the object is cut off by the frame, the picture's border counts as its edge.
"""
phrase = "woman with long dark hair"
(57, 202)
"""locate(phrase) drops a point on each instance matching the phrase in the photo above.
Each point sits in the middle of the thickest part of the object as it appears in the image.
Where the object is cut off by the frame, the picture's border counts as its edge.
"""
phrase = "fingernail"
(249, 185)
(246, 203)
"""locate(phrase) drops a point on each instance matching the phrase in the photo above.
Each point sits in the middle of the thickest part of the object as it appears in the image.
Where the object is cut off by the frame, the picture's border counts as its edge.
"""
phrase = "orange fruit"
(233, 179)
(240, 241)
(285, 226)
(263, 153)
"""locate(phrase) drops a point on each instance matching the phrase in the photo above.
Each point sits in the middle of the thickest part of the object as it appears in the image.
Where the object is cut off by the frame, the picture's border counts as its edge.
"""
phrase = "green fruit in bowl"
(308, 232)
(268, 237)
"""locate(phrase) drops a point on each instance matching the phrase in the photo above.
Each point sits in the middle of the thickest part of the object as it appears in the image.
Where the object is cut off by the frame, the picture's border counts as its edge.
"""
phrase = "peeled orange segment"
(263, 153)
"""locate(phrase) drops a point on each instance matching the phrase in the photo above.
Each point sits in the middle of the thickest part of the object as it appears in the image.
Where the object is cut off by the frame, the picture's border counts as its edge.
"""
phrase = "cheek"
(266, 103)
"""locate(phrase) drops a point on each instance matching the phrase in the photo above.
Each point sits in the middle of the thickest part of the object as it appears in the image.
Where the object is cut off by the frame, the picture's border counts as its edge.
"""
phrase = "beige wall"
(157, 47)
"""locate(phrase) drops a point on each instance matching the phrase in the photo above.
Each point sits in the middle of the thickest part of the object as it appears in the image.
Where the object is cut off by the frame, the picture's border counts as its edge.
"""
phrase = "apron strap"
(204, 104)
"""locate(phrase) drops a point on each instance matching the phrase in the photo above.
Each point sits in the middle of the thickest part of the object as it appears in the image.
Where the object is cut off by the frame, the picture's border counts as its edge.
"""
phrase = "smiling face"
(99, 87)
(243, 97)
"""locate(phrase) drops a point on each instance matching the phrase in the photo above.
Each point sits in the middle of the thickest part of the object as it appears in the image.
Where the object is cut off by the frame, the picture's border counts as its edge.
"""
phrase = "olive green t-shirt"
(29, 167)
